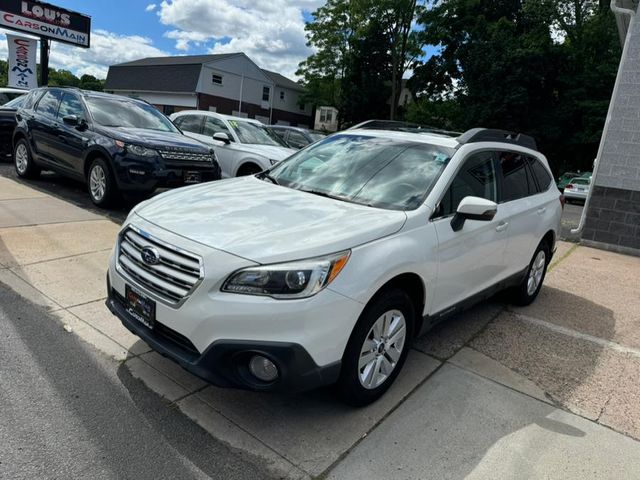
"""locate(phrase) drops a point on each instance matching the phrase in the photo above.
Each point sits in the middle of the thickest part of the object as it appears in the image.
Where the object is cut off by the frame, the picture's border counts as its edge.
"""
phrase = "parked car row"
(119, 145)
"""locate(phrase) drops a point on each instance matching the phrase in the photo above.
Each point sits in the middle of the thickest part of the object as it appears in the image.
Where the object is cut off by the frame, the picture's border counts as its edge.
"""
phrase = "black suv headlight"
(137, 149)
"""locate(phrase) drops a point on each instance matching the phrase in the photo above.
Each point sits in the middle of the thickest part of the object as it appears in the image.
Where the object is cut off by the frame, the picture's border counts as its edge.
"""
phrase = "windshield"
(581, 181)
(119, 112)
(273, 133)
(16, 102)
(316, 136)
(367, 170)
(248, 132)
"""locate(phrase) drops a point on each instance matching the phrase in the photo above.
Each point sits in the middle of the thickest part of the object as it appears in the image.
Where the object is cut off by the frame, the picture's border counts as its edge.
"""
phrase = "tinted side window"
(48, 104)
(540, 172)
(516, 179)
(70, 105)
(476, 178)
(189, 123)
(214, 125)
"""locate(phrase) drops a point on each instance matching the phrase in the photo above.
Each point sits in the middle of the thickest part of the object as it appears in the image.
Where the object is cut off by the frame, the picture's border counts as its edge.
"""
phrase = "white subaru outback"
(322, 269)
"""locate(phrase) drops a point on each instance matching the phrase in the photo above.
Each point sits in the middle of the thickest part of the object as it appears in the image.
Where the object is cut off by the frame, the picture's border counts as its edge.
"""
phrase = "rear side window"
(476, 178)
(48, 104)
(189, 123)
(517, 181)
(540, 172)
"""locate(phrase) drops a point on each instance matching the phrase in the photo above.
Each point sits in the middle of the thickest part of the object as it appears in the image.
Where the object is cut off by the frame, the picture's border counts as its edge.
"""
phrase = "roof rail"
(400, 126)
(476, 135)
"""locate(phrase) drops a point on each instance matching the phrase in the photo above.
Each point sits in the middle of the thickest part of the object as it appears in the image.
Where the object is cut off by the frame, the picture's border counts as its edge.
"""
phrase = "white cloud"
(151, 7)
(271, 32)
(106, 49)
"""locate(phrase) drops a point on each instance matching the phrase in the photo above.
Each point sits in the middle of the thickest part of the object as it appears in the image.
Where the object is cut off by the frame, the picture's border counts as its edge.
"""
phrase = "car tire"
(525, 293)
(248, 169)
(23, 161)
(377, 348)
(101, 184)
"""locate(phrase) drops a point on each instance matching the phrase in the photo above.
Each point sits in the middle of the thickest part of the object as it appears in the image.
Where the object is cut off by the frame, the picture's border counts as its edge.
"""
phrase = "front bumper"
(135, 174)
(225, 362)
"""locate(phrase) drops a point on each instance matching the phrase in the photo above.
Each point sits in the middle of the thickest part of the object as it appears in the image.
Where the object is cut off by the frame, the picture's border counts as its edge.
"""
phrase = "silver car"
(577, 189)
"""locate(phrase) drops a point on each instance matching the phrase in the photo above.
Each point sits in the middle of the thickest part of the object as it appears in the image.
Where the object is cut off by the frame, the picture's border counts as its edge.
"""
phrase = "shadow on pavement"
(66, 414)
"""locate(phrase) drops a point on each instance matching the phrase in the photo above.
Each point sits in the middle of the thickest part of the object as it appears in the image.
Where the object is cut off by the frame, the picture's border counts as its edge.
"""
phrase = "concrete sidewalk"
(488, 394)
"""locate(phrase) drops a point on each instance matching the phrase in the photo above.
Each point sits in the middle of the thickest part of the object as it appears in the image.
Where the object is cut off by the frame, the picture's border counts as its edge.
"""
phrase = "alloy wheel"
(22, 158)
(97, 182)
(382, 349)
(536, 272)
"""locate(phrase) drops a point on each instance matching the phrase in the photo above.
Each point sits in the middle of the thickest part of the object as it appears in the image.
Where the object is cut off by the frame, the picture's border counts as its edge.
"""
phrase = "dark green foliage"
(544, 67)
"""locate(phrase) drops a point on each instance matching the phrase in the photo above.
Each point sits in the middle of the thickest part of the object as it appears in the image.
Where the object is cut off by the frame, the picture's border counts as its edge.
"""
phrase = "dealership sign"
(22, 62)
(47, 21)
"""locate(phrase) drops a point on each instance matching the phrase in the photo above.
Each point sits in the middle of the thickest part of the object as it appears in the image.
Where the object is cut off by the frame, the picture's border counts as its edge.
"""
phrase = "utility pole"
(44, 61)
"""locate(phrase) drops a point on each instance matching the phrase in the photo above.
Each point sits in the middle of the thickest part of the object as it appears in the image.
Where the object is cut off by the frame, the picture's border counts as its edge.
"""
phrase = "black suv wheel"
(23, 161)
(102, 186)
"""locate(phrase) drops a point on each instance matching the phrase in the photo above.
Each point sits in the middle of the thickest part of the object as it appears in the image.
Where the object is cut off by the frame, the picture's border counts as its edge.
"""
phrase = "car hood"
(153, 138)
(267, 223)
(271, 152)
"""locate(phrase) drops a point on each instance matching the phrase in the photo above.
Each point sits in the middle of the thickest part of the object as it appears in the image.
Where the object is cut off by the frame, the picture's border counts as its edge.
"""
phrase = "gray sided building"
(613, 211)
(225, 83)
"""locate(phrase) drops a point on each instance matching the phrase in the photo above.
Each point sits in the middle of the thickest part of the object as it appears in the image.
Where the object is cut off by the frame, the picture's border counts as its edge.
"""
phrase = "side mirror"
(473, 208)
(223, 137)
(71, 120)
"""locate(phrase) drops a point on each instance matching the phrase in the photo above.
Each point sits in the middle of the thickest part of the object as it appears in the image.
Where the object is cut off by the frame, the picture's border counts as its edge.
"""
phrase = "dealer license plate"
(192, 177)
(141, 307)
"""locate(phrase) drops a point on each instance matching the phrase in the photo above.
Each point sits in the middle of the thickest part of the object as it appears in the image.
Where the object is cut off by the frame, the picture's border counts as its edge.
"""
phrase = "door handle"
(540, 211)
(502, 226)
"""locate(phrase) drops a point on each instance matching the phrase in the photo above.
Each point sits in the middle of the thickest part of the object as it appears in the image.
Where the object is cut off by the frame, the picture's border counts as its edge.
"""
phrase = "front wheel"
(525, 293)
(377, 348)
(102, 186)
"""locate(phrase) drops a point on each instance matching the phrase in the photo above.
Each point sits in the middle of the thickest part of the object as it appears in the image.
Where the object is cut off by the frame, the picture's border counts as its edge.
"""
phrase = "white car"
(324, 268)
(577, 188)
(242, 145)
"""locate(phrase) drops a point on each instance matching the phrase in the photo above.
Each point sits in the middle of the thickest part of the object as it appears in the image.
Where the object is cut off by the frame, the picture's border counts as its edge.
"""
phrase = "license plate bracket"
(192, 177)
(140, 307)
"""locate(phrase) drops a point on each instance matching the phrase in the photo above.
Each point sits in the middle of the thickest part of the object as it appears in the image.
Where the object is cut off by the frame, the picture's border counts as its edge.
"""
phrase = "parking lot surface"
(550, 389)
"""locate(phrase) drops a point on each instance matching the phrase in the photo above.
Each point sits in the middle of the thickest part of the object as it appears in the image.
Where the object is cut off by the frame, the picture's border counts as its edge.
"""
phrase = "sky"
(271, 32)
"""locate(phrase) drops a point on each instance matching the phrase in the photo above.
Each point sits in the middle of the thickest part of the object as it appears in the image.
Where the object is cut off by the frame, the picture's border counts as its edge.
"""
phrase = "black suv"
(116, 144)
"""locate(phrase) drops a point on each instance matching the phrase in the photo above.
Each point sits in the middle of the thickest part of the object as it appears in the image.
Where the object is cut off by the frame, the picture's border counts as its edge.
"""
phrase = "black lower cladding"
(225, 362)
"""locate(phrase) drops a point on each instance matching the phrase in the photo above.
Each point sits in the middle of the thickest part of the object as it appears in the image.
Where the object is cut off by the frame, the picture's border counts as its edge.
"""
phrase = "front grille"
(172, 279)
(187, 156)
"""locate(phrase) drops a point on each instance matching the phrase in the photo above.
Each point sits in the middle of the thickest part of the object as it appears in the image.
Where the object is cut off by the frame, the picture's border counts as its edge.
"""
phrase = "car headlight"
(137, 149)
(298, 279)
(274, 162)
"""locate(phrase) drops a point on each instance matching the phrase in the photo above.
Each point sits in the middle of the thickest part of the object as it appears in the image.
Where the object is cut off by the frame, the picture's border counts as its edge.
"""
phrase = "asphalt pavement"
(70, 412)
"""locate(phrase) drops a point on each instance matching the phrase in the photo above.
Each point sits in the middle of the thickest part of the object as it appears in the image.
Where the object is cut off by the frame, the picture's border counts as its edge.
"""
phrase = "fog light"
(263, 368)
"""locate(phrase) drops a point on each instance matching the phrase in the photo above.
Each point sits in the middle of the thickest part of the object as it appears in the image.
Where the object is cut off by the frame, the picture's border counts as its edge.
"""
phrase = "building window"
(265, 94)
(216, 79)
(281, 94)
(326, 115)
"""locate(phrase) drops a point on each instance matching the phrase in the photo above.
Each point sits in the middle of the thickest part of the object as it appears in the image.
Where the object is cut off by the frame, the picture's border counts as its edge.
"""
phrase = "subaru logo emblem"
(150, 256)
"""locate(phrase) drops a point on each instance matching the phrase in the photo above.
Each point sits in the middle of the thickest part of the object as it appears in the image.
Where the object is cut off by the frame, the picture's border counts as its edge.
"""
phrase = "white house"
(225, 83)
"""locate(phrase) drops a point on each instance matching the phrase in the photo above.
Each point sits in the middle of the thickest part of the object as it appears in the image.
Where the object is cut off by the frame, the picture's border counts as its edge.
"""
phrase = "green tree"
(544, 67)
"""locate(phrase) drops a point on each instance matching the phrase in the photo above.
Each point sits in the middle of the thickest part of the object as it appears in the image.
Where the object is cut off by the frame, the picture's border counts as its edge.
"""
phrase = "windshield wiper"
(325, 194)
(269, 177)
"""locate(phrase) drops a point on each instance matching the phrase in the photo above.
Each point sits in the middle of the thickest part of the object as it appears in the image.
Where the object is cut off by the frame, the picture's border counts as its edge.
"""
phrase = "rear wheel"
(25, 167)
(377, 348)
(102, 186)
(528, 290)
